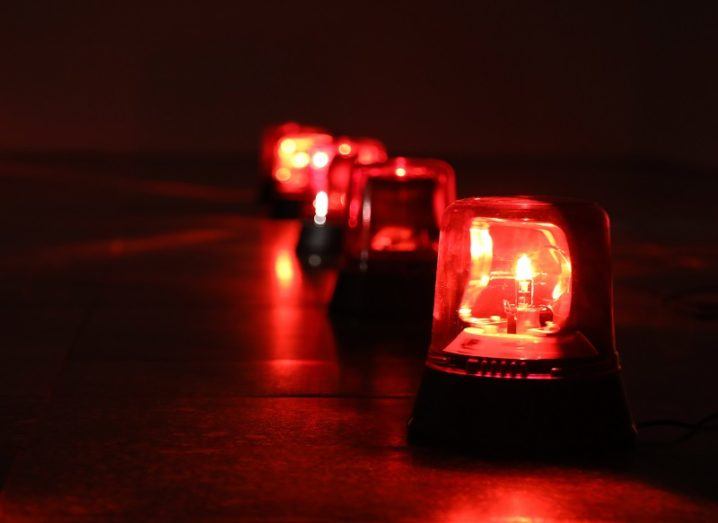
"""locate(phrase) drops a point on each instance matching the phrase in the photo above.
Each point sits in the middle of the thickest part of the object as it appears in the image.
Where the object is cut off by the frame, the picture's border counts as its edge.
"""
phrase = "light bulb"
(320, 159)
(524, 275)
(300, 159)
(321, 206)
(283, 174)
(288, 146)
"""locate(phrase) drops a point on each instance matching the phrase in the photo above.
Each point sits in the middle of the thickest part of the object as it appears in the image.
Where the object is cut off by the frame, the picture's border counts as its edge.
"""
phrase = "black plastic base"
(496, 417)
(407, 291)
(319, 244)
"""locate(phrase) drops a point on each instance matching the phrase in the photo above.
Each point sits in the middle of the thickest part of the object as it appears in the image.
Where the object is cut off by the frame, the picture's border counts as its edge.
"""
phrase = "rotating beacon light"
(271, 134)
(321, 237)
(522, 353)
(392, 232)
(290, 166)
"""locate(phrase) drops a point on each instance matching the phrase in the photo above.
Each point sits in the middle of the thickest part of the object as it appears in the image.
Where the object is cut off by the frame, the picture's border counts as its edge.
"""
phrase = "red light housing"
(522, 336)
(321, 237)
(330, 179)
(393, 216)
(268, 142)
(270, 138)
(395, 209)
(293, 162)
(283, 165)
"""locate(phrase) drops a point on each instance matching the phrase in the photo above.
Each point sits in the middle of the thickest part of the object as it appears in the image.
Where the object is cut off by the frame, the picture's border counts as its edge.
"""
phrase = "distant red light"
(296, 156)
(324, 203)
(271, 135)
(344, 149)
(321, 207)
(285, 162)
(320, 159)
(391, 235)
(331, 170)
(391, 213)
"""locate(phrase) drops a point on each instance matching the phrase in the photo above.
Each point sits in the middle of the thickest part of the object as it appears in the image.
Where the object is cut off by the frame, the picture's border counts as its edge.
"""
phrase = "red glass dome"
(522, 282)
(522, 351)
(392, 233)
(293, 162)
(395, 207)
(331, 171)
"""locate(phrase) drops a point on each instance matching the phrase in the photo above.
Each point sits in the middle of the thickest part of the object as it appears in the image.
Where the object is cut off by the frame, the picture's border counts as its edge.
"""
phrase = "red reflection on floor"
(532, 499)
(166, 188)
(287, 275)
(99, 250)
(509, 504)
(299, 328)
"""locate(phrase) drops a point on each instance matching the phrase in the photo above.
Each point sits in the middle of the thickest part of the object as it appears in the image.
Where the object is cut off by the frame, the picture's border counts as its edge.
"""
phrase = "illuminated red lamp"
(522, 355)
(271, 134)
(320, 240)
(392, 232)
(286, 163)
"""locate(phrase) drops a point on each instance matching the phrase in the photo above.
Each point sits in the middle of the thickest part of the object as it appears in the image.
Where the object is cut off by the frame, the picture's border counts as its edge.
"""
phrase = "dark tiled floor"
(164, 357)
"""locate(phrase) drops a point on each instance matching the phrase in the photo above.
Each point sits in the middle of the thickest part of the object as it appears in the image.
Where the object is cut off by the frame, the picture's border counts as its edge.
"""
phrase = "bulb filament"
(524, 283)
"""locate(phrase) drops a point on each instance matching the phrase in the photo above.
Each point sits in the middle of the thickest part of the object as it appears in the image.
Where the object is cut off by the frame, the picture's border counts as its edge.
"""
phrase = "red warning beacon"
(286, 163)
(320, 240)
(271, 134)
(522, 353)
(393, 217)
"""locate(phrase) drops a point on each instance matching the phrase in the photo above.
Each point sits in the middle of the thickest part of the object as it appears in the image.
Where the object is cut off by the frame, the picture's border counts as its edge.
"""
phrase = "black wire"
(691, 428)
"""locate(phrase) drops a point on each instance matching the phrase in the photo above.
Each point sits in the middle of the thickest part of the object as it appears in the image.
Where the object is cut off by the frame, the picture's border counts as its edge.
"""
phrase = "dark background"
(569, 80)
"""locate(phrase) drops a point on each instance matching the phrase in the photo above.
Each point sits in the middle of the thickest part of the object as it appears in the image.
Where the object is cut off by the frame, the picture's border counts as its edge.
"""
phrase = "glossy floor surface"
(164, 357)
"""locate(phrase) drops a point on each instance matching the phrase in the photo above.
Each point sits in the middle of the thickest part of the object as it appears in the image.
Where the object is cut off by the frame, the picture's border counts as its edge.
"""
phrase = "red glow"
(299, 160)
(285, 291)
(393, 238)
(271, 136)
(320, 159)
(285, 278)
(519, 278)
(321, 207)
(507, 275)
(283, 174)
(284, 268)
(92, 251)
(294, 156)
(322, 155)
(331, 170)
(367, 150)
(395, 206)
(345, 149)
(278, 137)
(287, 146)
